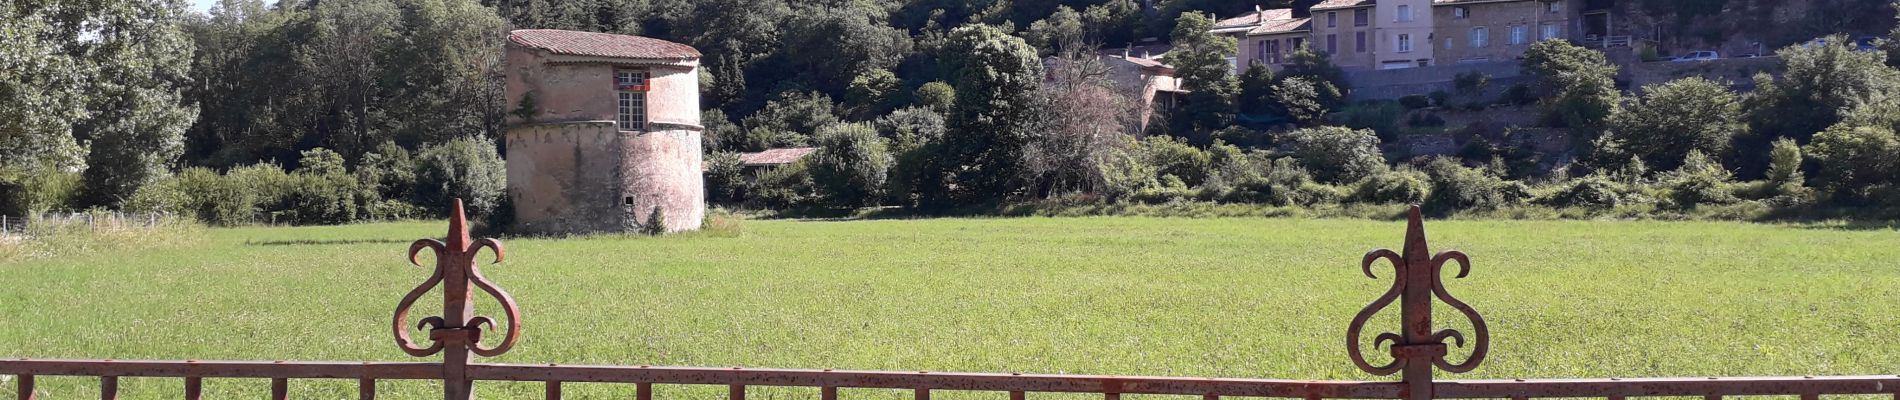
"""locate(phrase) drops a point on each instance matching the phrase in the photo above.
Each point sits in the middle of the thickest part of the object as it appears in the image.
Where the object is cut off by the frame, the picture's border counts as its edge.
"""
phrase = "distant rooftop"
(578, 43)
(1337, 4)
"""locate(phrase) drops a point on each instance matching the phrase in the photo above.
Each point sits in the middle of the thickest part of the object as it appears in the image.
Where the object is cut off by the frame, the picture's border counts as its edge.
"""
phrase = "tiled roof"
(1254, 18)
(1443, 2)
(1283, 26)
(775, 156)
(1337, 4)
(600, 44)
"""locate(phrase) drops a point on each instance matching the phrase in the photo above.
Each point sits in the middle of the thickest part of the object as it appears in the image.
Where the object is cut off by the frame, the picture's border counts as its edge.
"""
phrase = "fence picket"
(366, 389)
(108, 388)
(26, 387)
(194, 388)
(279, 389)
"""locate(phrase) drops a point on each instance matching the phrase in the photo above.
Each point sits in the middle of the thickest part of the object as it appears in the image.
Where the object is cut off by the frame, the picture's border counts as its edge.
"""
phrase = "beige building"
(1472, 31)
(1404, 30)
(605, 130)
(1343, 28)
(1265, 37)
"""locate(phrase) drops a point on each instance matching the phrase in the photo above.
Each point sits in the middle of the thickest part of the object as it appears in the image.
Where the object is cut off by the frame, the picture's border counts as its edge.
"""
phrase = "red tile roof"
(1332, 4)
(775, 156)
(600, 44)
(1283, 26)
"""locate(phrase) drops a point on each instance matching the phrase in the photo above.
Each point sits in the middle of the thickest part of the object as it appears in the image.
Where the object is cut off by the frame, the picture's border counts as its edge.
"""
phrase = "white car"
(1699, 56)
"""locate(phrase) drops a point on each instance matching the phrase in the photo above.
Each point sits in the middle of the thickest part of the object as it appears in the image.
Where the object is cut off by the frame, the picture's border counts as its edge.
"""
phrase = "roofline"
(650, 60)
(1320, 8)
(1469, 2)
(1279, 32)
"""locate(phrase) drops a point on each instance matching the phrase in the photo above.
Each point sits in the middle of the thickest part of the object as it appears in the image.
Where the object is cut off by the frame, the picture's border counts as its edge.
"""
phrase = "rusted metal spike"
(1416, 250)
(1417, 348)
(26, 387)
(108, 388)
(366, 389)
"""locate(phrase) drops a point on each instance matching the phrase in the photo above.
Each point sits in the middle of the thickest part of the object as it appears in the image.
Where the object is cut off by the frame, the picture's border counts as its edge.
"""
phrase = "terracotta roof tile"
(1283, 26)
(775, 156)
(1255, 18)
(1336, 4)
(600, 44)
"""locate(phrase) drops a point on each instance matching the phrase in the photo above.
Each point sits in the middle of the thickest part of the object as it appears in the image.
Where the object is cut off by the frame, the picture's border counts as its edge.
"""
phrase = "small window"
(1404, 14)
(1556, 7)
(1551, 31)
(1361, 17)
(1361, 45)
(1405, 43)
(630, 90)
(627, 201)
(1480, 37)
(1332, 19)
(1518, 35)
(1460, 12)
(1332, 44)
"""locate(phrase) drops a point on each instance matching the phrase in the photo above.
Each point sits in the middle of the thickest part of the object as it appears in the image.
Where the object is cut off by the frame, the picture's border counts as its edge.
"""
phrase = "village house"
(605, 131)
(1138, 72)
(1398, 34)
(1476, 31)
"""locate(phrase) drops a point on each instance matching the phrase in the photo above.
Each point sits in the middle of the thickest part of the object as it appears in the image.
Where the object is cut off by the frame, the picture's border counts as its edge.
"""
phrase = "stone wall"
(584, 177)
(1396, 83)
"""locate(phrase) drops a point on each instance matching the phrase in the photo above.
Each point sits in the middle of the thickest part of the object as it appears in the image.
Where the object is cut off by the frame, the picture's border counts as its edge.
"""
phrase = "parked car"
(1699, 56)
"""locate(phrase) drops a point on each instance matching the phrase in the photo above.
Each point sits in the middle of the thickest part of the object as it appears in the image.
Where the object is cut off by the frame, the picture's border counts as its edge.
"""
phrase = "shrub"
(656, 222)
(1382, 117)
(323, 192)
(1401, 186)
(725, 178)
(1415, 101)
(851, 165)
(1172, 157)
(244, 194)
(784, 187)
(1595, 191)
(1456, 187)
(1700, 181)
(1518, 95)
(1336, 154)
(1855, 162)
(389, 172)
(937, 96)
(467, 168)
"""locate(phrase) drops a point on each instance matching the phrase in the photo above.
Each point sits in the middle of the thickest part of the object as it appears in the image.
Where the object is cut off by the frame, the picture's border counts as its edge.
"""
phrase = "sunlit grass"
(1126, 296)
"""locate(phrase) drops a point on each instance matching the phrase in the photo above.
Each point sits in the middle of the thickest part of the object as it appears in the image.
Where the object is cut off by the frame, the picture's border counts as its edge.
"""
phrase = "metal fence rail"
(1416, 353)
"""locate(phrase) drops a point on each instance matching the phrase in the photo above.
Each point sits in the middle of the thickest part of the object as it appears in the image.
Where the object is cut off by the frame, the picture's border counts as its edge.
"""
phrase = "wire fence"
(17, 226)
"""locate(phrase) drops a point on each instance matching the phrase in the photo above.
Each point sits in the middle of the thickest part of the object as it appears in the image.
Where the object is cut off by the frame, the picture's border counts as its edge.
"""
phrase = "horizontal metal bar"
(1724, 386)
(222, 369)
(939, 381)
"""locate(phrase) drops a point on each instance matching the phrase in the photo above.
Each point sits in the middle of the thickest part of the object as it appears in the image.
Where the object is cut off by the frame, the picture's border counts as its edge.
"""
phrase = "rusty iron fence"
(1417, 352)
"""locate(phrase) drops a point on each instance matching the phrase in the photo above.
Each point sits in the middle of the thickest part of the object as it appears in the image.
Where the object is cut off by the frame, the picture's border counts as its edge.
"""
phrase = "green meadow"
(1243, 297)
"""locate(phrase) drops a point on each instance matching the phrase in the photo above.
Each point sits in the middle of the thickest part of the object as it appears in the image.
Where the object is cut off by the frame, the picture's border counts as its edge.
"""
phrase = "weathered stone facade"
(1344, 30)
(1477, 31)
(605, 129)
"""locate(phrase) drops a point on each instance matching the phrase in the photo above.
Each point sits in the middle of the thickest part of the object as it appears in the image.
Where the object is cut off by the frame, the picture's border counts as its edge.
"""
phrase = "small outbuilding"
(604, 130)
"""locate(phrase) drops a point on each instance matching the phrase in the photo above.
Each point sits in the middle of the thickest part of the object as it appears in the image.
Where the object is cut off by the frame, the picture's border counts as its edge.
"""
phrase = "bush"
(851, 165)
(1382, 117)
(467, 168)
(1338, 155)
(1518, 95)
(323, 192)
(784, 187)
(244, 195)
(1855, 162)
(1595, 191)
(1401, 186)
(1415, 101)
(389, 173)
(1172, 157)
(1456, 187)
(725, 178)
(1700, 181)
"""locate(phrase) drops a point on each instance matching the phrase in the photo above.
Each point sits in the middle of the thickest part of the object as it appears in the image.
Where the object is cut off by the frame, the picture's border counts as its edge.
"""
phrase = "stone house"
(1476, 31)
(1404, 31)
(1139, 73)
(1265, 36)
(605, 130)
(1343, 28)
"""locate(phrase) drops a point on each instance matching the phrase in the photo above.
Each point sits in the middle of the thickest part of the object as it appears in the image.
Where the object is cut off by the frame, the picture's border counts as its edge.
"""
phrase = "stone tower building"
(603, 130)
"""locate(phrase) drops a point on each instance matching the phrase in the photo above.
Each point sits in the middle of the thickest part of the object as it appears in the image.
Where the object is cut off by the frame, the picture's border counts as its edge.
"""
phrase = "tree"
(826, 47)
(136, 111)
(1338, 155)
(870, 94)
(851, 165)
(1200, 60)
(38, 100)
(1085, 120)
(937, 96)
(915, 134)
(997, 77)
(1675, 118)
(1256, 90)
(1578, 84)
(1303, 100)
(1784, 167)
(1317, 67)
(1822, 83)
(465, 168)
(789, 120)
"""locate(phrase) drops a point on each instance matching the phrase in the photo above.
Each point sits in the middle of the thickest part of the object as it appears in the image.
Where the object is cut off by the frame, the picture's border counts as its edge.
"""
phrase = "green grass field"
(1136, 296)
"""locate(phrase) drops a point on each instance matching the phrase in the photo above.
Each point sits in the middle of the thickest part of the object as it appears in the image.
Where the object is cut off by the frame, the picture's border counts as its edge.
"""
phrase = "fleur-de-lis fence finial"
(1417, 348)
(458, 330)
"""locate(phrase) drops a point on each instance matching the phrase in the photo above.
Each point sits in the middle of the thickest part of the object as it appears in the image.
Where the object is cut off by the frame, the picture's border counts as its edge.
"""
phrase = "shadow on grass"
(326, 242)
